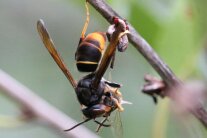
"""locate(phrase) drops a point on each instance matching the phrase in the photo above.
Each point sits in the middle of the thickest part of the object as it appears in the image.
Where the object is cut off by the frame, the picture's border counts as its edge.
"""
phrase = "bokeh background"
(175, 28)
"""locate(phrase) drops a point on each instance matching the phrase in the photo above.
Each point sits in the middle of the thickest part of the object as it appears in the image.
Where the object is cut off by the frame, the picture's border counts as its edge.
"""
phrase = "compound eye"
(108, 94)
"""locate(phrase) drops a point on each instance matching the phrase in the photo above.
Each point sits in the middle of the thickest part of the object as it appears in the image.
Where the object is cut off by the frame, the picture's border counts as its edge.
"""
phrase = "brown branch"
(138, 42)
(200, 114)
(37, 108)
(146, 50)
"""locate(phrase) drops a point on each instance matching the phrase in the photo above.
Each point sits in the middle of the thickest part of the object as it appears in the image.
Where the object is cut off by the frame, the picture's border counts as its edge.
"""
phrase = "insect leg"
(102, 124)
(78, 124)
(87, 20)
(105, 125)
(113, 60)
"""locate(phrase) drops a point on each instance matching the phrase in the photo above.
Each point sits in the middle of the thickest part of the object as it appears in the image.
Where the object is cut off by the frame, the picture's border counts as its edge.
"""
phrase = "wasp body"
(97, 96)
(90, 48)
(89, 51)
(95, 101)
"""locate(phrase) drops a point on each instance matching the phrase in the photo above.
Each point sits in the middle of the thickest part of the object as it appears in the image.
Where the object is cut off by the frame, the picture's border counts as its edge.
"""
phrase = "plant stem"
(37, 108)
(147, 51)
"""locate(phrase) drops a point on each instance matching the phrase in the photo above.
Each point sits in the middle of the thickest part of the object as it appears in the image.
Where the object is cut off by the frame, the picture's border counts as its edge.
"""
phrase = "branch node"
(154, 87)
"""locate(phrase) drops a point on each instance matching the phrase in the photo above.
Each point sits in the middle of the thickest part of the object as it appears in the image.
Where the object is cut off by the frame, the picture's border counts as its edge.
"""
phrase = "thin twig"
(139, 42)
(39, 109)
(146, 50)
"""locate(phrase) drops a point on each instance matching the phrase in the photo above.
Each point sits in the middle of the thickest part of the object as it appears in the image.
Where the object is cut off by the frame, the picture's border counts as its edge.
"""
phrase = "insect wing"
(107, 56)
(117, 127)
(53, 52)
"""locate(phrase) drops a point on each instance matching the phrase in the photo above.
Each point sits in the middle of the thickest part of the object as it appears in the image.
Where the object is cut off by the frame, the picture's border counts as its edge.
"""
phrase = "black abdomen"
(88, 56)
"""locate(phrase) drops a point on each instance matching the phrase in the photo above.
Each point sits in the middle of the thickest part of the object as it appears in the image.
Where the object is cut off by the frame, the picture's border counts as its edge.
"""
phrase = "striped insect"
(90, 48)
(97, 96)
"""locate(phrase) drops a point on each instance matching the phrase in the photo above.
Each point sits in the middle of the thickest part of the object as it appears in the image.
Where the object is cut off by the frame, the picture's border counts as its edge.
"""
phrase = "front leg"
(101, 124)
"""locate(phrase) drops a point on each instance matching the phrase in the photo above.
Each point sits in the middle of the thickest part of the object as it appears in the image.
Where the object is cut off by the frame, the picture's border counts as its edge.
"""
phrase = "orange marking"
(98, 36)
(92, 45)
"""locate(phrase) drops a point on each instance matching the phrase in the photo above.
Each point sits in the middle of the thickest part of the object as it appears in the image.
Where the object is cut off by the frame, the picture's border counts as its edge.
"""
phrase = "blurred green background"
(175, 28)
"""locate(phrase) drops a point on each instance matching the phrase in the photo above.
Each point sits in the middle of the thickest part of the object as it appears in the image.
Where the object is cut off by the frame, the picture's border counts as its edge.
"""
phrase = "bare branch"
(139, 43)
(39, 109)
(146, 50)
(180, 95)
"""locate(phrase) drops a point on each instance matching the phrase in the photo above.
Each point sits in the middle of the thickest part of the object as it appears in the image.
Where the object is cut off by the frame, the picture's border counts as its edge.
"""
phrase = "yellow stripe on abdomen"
(86, 62)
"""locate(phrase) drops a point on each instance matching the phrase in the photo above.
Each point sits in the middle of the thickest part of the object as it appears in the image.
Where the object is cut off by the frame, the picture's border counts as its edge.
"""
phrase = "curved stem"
(147, 51)
(37, 108)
